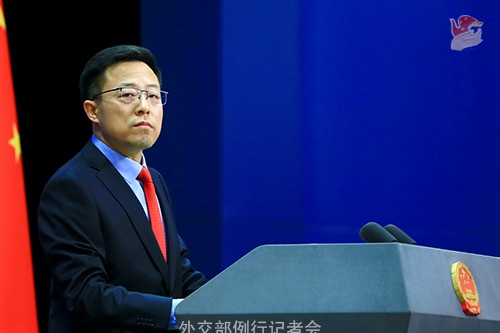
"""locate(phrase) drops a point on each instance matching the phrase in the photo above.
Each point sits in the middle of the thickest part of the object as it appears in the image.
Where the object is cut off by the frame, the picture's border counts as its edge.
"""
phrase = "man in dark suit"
(108, 273)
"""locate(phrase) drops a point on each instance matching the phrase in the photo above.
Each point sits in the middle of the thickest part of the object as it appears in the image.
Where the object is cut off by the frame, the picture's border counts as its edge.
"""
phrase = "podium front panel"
(372, 287)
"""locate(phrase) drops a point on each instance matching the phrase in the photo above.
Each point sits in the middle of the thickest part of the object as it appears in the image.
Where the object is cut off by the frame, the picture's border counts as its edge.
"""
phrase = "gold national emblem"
(465, 289)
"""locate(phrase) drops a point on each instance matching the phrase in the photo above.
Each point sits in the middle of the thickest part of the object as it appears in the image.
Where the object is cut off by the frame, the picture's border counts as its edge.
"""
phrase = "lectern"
(351, 288)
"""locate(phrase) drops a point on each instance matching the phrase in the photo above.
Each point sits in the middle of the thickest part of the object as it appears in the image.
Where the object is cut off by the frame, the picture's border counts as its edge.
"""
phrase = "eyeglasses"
(133, 95)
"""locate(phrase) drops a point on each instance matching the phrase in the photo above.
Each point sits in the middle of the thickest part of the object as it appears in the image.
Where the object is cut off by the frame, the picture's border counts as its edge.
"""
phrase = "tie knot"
(145, 176)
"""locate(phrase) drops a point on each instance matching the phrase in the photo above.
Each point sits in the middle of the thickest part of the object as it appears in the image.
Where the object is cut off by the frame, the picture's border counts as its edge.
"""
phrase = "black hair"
(90, 77)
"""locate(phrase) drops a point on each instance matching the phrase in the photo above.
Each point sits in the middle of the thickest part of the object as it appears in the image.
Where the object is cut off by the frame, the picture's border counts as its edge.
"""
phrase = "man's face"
(128, 127)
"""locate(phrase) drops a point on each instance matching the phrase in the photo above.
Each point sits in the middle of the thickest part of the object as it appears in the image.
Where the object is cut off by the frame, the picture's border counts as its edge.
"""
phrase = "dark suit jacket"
(107, 271)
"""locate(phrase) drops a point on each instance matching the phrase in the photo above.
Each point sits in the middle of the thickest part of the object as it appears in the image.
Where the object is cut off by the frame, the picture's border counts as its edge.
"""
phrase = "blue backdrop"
(300, 121)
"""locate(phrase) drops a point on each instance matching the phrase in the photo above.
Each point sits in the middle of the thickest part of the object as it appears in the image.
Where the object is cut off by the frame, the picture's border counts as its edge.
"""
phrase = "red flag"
(17, 290)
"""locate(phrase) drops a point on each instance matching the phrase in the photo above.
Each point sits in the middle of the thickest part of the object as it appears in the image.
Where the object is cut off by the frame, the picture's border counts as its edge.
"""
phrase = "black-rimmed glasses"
(131, 95)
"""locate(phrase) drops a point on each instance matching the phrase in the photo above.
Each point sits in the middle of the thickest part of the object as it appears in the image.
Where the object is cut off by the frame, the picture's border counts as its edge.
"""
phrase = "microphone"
(399, 234)
(372, 232)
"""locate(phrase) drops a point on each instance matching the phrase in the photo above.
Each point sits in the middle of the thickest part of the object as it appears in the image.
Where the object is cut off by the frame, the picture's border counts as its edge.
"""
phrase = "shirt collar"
(127, 167)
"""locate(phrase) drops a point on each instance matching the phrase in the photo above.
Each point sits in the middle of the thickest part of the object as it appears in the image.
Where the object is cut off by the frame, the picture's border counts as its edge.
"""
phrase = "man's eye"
(128, 94)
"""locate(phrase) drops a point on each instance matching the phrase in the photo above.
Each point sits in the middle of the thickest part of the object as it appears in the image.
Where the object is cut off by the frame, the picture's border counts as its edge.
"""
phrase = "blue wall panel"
(185, 39)
(330, 114)
(262, 126)
(403, 127)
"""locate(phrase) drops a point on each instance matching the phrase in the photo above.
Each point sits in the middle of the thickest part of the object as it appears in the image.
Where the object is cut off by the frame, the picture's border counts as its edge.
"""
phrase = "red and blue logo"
(466, 32)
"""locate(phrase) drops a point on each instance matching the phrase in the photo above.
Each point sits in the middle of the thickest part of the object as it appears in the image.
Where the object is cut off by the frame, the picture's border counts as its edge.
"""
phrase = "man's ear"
(90, 108)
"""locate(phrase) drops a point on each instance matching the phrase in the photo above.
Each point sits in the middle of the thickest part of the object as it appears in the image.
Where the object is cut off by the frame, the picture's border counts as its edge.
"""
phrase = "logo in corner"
(466, 33)
(465, 289)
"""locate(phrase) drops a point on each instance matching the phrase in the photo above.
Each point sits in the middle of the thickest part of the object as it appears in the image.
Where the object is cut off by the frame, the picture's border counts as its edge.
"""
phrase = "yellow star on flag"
(16, 141)
(2, 19)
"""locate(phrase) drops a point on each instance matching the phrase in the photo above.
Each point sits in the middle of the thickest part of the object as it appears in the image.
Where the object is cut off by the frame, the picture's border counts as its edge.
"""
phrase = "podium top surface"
(347, 279)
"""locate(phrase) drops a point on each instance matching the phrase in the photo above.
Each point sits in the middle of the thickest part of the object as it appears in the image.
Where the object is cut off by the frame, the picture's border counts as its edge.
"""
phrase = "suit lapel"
(124, 195)
(171, 231)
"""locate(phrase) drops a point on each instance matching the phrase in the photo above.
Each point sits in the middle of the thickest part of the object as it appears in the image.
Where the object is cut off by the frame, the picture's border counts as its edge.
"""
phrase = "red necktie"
(154, 209)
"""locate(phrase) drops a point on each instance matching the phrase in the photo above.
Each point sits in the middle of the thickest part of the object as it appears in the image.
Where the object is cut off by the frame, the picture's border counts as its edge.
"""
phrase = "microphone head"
(399, 234)
(372, 232)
